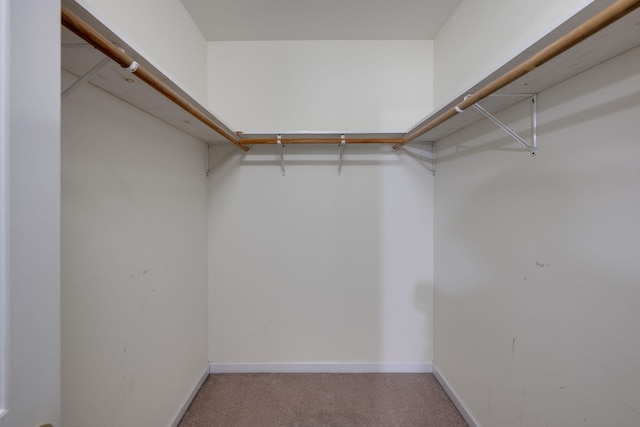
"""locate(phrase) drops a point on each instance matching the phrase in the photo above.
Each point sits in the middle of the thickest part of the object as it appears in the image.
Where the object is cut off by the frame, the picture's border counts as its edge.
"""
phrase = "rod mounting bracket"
(281, 145)
(343, 141)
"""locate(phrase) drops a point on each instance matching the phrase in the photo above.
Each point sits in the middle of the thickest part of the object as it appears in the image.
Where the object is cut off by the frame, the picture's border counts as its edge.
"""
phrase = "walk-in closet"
(415, 212)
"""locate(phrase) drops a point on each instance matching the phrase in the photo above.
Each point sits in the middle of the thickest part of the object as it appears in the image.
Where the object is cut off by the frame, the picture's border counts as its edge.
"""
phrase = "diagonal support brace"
(85, 77)
(533, 147)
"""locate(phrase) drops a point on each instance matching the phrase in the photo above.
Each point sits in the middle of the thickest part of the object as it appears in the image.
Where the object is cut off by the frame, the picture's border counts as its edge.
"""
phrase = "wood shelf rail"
(588, 28)
(97, 40)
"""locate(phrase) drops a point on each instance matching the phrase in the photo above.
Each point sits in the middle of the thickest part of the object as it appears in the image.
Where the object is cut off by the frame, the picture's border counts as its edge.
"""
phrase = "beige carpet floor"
(319, 400)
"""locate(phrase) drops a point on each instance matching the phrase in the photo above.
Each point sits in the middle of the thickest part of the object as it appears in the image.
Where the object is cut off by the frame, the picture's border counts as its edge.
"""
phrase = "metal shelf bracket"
(343, 141)
(85, 77)
(533, 146)
(281, 145)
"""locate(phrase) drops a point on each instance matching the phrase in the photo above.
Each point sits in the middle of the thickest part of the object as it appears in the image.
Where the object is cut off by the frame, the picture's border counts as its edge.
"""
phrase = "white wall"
(315, 267)
(351, 86)
(536, 284)
(164, 33)
(483, 35)
(29, 213)
(134, 264)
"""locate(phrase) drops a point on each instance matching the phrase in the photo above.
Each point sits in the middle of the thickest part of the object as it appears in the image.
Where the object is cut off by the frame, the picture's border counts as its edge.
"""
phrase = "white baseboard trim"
(320, 367)
(185, 405)
(455, 399)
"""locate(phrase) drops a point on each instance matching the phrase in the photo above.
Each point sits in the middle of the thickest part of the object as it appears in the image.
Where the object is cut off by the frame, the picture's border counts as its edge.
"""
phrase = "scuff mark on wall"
(266, 327)
(117, 402)
(628, 406)
(137, 320)
(542, 265)
(559, 390)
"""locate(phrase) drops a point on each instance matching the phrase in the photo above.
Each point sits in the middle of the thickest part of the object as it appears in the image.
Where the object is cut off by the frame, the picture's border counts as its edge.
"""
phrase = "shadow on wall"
(537, 274)
(301, 155)
(536, 320)
(133, 263)
(424, 304)
(297, 265)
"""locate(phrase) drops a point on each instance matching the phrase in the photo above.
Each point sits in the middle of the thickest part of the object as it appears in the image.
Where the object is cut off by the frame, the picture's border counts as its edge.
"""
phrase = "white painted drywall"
(29, 213)
(134, 263)
(163, 32)
(483, 35)
(536, 283)
(350, 86)
(315, 267)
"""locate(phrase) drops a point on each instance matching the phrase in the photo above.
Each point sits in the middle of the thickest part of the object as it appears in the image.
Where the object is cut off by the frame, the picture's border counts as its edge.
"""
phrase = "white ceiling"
(232, 20)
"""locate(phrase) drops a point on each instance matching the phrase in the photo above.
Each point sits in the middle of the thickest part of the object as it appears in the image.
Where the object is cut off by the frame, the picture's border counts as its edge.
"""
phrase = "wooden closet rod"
(336, 140)
(606, 17)
(90, 35)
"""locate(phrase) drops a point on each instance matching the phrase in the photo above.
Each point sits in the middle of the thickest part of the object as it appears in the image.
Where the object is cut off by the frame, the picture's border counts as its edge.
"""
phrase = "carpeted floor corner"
(319, 400)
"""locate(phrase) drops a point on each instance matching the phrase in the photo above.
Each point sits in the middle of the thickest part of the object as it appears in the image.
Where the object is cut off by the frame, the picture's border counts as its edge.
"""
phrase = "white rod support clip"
(343, 141)
(461, 110)
(133, 67)
(85, 77)
(281, 145)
